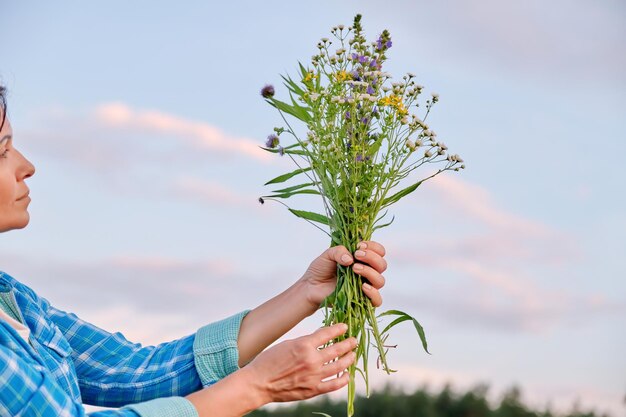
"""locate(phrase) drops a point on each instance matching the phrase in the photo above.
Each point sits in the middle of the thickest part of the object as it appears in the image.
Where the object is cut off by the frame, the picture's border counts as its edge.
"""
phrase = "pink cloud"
(201, 135)
(212, 192)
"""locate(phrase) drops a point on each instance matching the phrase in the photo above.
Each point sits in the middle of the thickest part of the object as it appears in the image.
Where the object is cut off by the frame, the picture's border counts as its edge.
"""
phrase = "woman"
(52, 362)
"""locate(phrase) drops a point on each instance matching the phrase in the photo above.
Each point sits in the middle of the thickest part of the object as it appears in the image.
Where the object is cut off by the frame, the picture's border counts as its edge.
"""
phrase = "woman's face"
(14, 169)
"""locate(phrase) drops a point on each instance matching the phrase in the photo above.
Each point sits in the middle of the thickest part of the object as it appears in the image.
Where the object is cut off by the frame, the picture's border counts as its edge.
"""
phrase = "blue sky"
(142, 119)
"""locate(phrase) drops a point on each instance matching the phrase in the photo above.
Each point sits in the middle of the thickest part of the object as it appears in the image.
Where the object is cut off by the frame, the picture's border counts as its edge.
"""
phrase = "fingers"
(371, 258)
(371, 245)
(338, 349)
(373, 294)
(339, 365)
(372, 275)
(324, 334)
(333, 384)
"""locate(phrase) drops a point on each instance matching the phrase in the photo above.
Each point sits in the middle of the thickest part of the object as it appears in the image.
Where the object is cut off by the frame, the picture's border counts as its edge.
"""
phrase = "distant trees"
(391, 402)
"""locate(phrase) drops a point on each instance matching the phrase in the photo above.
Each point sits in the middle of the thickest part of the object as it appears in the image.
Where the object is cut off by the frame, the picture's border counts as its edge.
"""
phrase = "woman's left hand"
(321, 276)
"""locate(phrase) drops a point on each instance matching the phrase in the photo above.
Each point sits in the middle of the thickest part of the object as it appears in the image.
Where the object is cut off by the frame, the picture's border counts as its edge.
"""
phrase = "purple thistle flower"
(362, 59)
(268, 91)
(359, 157)
(364, 120)
(281, 150)
(272, 141)
(355, 56)
(370, 90)
(355, 75)
(388, 44)
(347, 115)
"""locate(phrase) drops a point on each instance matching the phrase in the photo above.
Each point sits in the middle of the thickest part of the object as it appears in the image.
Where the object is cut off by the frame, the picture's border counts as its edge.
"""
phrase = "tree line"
(392, 402)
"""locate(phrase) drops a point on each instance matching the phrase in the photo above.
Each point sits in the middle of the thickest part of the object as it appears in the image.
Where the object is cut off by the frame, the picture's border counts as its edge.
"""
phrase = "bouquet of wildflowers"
(362, 141)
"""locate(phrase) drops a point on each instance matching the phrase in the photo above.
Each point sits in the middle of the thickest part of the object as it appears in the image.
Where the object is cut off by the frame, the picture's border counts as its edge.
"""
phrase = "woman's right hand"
(295, 369)
(291, 370)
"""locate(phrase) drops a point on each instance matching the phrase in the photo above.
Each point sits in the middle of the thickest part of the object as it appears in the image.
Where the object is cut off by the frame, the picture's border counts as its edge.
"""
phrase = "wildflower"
(281, 150)
(359, 157)
(348, 115)
(340, 27)
(314, 96)
(428, 154)
(342, 75)
(370, 90)
(409, 144)
(268, 91)
(261, 200)
(272, 141)
(435, 97)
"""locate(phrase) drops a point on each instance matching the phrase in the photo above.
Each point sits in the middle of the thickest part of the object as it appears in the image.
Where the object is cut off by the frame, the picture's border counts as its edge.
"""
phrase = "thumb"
(338, 254)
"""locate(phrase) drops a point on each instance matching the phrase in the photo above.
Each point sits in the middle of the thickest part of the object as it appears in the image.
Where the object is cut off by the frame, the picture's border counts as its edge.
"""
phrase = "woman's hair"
(3, 105)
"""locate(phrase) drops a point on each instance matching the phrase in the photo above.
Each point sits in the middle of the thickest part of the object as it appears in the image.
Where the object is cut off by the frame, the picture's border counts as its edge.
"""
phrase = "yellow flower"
(310, 76)
(342, 75)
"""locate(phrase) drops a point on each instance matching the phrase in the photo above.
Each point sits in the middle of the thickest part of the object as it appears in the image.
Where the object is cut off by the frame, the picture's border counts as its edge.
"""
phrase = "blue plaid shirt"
(68, 362)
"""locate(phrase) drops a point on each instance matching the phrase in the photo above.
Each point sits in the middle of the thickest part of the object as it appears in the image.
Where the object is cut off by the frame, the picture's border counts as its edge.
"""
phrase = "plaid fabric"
(70, 361)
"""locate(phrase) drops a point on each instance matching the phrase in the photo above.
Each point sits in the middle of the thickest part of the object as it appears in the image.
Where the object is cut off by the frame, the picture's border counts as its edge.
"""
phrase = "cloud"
(212, 192)
(199, 135)
(504, 273)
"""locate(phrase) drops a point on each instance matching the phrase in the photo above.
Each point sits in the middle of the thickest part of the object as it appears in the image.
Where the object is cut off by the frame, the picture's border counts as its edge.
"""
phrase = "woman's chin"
(15, 224)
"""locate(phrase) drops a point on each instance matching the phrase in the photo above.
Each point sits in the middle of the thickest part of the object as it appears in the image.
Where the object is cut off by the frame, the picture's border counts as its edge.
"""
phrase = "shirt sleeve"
(113, 371)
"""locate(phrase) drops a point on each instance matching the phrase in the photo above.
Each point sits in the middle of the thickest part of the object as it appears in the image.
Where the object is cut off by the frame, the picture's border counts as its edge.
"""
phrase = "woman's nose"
(27, 169)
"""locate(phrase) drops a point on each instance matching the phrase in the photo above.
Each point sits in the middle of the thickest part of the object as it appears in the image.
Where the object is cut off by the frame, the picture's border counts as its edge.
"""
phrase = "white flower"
(410, 74)
(314, 96)
(418, 143)
(324, 40)
(373, 99)
(340, 51)
(404, 120)
(341, 27)
(428, 154)
(443, 145)
(409, 144)
(459, 159)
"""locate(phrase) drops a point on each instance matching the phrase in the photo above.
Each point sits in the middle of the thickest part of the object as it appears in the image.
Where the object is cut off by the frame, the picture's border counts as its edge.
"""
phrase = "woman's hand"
(292, 370)
(297, 369)
(321, 276)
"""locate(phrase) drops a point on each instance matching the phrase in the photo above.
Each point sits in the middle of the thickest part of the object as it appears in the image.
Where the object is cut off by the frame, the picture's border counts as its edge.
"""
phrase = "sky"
(143, 122)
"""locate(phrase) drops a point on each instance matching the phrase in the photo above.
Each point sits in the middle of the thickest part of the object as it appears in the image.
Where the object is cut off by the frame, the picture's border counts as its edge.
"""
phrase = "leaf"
(405, 317)
(302, 69)
(308, 215)
(285, 177)
(397, 196)
(321, 414)
(296, 111)
(289, 194)
(292, 86)
(375, 146)
(384, 225)
(295, 187)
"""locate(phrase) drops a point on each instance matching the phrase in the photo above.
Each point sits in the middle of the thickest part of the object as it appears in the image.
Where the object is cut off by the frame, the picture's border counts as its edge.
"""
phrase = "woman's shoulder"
(8, 283)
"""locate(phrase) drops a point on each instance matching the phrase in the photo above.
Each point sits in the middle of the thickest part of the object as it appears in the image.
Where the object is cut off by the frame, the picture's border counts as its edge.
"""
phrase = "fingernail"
(362, 245)
(359, 253)
(367, 286)
(358, 267)
(343, 327)
(345, 258)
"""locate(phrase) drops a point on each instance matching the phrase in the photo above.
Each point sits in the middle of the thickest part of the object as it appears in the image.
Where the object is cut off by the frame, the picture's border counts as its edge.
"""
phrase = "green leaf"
(404, 317)
(296, 111)
(295, 187)
(375, 146)
(302, 69)
(285, 177)
(285, 150)
(308, 215)
(397, 196)
(292, 86)
(289, 194)
(384, 225)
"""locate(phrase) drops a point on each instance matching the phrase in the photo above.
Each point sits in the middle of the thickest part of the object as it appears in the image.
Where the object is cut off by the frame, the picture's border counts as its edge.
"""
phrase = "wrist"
(234, 396)
(305, 290)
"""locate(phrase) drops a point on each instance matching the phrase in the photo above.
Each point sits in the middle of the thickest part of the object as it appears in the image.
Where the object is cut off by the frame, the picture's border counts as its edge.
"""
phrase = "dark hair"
(3, 105)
